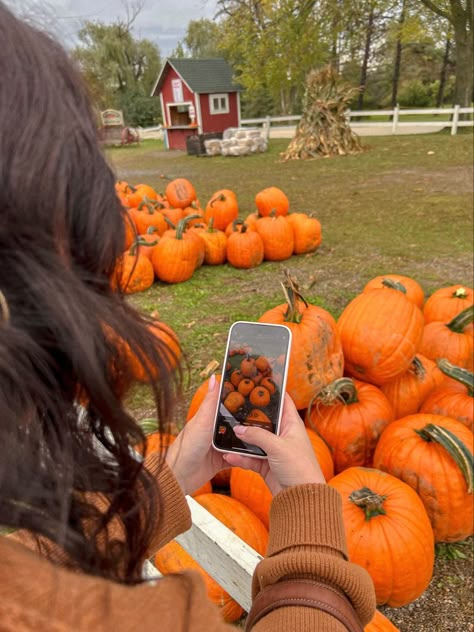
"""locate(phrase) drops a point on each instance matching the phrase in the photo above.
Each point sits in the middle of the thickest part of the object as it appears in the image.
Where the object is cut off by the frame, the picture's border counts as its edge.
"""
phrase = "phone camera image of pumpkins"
(250, 392)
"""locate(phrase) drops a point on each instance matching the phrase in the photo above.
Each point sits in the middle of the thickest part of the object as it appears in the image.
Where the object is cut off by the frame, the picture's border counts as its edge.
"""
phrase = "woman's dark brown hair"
(61, 234)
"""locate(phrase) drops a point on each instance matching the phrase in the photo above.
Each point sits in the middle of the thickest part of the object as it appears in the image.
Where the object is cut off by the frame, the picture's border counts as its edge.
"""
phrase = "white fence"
(393, 126)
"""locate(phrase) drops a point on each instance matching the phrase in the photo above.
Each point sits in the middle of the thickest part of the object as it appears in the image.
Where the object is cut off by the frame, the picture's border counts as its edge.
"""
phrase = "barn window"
(219, 103)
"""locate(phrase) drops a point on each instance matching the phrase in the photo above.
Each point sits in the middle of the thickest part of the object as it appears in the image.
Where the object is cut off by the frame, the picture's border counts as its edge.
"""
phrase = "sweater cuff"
(174, 514)
(307, 515)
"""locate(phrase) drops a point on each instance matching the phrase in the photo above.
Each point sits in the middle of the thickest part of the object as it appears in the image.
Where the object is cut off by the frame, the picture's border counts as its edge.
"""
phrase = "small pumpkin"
(175, 257)
(271, 200)
(248, 367)
(215, 245)
(180, 193)
(433, 454)
(306, 233)
(246, 386)
(260, 396)
(136, 271)
(245, 248)
(236, 377)
(263, 365)
(146, 216)
(234, 401)
(388, 533)
(269, 384)
(222, 208)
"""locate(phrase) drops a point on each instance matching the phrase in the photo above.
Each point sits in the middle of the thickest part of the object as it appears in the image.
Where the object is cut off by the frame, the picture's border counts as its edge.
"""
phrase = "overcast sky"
(162, 21)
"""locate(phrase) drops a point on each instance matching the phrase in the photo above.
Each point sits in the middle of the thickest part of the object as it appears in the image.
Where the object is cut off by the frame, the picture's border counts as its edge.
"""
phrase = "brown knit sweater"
(306, 540)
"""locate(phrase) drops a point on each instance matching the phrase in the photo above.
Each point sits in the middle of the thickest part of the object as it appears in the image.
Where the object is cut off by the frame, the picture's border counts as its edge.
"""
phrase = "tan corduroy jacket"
(306, 540)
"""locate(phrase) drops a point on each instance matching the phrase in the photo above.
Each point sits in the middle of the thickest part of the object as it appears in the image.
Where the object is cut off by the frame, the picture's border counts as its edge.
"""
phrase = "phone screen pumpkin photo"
(253, 383)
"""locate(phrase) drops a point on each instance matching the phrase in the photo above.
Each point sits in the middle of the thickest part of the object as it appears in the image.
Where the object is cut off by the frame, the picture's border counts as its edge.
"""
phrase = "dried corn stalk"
(324, 129)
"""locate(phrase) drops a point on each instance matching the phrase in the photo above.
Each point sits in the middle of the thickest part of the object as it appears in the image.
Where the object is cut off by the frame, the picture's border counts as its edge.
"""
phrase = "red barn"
(198, 96)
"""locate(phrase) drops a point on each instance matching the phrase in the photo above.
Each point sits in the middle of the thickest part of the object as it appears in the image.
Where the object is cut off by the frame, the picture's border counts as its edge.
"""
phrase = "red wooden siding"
(219, 122)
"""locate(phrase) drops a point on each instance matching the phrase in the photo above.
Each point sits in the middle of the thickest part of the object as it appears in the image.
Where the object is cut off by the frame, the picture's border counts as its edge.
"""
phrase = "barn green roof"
(201, 75)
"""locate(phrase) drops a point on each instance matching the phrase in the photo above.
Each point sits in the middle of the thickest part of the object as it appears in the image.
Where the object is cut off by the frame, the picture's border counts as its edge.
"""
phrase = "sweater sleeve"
(307, 540)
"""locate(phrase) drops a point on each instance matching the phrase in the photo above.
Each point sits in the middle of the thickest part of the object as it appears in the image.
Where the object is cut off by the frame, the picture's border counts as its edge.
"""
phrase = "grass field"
(403, 206)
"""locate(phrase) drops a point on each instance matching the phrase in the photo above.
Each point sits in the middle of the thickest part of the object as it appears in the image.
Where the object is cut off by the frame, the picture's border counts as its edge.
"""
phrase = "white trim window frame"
(219, 103)
(170, 105)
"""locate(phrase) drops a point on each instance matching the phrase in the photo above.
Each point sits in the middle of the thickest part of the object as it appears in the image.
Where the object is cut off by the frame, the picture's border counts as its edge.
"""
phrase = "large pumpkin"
(277, 237)
(446, 302)
(271, 200)
(380, 331)
(175, 257)
(136, 271)
(316, 357)
(388, 533)
(245, 248)
(222, 208)
(350, 416)
(249, 487)
(412, 288)
(409, 390)
(454, 397)
(380, 623)
(433, 454)
(306, 232)
(180, 193)
(172, 558)
(453, 340)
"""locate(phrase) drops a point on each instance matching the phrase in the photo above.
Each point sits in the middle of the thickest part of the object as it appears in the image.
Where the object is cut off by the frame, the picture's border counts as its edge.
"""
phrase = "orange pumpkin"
(246, 386)
(141, 193)
(147, 242)
(215, 245)
(136, 272)
(271, 200)
(388, 533)
(447, 302)
(257, 416)
(380, 623)
(409, 390)
(277, 237)
(260, 397)
(350, 416)
(306, 233)
(234, 401)
(412, 289)
(199, 395)
(222, 208)
(433, 454)
(380, 331)
(454, 397)
(316, 357)
(452, 340)
(269, 384)
(244, 523)
(146, 216)
(180, 193)
(171, 353)
(245, 248)
(250, 488)
(175, 257)
(248, 367)
(236, 377)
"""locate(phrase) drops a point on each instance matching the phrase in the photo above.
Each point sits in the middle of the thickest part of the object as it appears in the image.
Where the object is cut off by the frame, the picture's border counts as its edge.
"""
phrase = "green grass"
(403, 206)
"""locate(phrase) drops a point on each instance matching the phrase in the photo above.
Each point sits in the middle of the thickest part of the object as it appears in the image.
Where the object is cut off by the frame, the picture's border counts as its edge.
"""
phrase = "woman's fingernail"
(212, 382)
(239, 430)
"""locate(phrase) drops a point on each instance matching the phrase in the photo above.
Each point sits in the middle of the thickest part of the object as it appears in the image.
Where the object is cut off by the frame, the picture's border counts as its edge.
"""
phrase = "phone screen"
(253, 383)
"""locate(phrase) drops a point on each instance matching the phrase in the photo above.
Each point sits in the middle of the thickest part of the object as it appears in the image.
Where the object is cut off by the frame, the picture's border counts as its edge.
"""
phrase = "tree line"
(413, 52)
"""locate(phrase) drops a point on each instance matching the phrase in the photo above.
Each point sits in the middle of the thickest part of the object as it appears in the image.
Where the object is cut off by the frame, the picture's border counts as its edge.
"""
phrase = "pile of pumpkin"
(169, 236)
(386, 394)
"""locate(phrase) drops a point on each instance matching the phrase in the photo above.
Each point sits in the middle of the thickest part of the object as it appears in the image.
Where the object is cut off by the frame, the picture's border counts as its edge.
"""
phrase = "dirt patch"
(457, 180)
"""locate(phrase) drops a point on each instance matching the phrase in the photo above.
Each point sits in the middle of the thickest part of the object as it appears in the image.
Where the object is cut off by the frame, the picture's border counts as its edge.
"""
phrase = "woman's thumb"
(257, 436)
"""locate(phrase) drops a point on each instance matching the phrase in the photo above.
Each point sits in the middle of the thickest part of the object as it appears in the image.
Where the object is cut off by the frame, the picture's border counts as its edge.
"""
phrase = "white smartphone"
(253, 383)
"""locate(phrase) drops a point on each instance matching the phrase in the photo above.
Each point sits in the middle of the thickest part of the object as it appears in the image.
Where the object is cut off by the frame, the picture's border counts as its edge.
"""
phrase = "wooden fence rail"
(393, 125)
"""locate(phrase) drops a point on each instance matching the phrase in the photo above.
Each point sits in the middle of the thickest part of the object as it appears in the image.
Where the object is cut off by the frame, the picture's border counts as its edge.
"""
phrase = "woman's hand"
(191, 456)
(290, 456)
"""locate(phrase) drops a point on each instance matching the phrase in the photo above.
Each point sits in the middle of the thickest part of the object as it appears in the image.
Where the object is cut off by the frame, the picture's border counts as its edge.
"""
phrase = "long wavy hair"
(63, 331)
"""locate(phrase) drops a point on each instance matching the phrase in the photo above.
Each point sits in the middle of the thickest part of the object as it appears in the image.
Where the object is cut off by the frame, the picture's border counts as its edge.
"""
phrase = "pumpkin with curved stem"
(147, 241)
(250, 488)
(180, 193)
(277, 237)
(244, 523)
(146, 216)
(350, 416)
(450, 340)
(215, 245)
(454, 397)
(388, 533)
(175, 257)
(237, 225)
(380, 331)
(380, 623)
(272, 199)
(413, 289)
(245, 248)
(306, 232)
(433, 454)
(136, 273)
(316, 357)
(248, 367)
(223, 208)
(409, 390)
(447, 302)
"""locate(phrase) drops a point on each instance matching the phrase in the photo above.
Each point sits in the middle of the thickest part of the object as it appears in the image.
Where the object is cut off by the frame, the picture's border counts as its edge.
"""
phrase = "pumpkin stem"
(455, 447)
(394, 285)
(369, 501)
(142, 242)
(181, 226)
(151, 229)
(292, 295)
(417, 368)
(236, 223)
(219, 198)
(148, 204)
(341, 390)
(462, 320)
(464, 376)
(460, 293)
(169, 222)
(211, 228)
